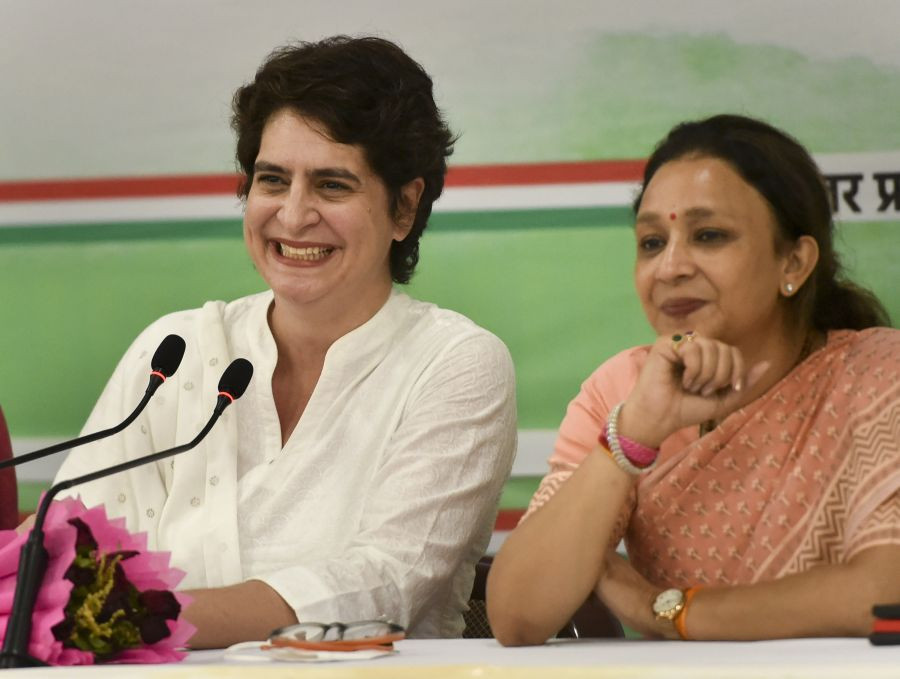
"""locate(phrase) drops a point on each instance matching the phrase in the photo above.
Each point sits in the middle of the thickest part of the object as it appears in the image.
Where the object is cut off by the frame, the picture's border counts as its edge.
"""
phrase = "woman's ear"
(410, 194)
(799, 263)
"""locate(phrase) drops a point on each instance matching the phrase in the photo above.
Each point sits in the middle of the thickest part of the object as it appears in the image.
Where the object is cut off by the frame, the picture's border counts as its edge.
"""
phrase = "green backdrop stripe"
(560, 296)
(488, 220)
(517, 493)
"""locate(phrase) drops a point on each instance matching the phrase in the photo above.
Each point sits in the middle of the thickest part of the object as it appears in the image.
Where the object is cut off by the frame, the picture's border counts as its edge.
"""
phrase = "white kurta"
(382, 499)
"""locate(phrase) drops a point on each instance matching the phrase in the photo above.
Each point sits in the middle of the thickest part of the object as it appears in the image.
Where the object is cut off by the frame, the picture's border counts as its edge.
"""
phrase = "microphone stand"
(164, 363)
(155, 381)
(33, 559)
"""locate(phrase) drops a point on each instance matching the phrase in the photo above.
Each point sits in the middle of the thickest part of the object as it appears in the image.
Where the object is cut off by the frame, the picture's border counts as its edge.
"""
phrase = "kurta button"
(150, 513)
(214, 481)
(188, 386)
(213, 361)
(195, 502)
(143, 429)
(121, 497)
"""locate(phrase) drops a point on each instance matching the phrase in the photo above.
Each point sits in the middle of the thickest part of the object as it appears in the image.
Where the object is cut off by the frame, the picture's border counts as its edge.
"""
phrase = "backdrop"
(117, 190)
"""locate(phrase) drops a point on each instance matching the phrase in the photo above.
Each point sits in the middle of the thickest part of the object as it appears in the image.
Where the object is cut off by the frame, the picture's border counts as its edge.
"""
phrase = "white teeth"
(304, 254)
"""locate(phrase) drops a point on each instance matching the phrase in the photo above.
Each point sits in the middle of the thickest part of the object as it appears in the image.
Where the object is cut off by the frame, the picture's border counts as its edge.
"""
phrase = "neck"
(783, 351)
(303, 331)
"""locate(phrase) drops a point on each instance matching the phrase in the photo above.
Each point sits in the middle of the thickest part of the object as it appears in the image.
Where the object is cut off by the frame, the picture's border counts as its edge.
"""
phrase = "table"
(564, 659)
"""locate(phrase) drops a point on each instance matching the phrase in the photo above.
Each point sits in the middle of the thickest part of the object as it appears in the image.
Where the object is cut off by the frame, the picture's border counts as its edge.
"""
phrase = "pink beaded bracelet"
(630, 455)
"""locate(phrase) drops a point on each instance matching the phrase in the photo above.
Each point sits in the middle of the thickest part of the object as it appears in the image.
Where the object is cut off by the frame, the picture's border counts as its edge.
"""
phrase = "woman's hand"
(630, 597)
(685, 383)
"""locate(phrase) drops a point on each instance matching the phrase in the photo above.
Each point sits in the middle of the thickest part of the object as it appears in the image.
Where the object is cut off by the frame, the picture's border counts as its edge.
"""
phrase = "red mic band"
(158, 374)
(225, 393)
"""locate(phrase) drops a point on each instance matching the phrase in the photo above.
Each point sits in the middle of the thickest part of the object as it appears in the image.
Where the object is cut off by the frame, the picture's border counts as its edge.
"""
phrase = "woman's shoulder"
(872, 347)
(432, 322)
(616, 376)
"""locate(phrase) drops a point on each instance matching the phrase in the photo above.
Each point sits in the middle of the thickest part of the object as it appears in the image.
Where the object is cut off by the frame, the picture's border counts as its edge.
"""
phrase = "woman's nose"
(298, 209)
(676, 261)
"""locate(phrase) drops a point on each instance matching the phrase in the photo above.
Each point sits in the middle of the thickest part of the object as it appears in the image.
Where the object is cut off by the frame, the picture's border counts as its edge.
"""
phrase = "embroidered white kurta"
(380, 502)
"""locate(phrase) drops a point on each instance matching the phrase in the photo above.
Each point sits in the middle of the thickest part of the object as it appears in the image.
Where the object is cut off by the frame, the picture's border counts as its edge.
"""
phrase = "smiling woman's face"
(317, 223)
(706, 254)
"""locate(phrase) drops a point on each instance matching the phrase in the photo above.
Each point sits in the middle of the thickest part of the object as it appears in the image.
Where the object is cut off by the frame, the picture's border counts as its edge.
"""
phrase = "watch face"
(667, 600)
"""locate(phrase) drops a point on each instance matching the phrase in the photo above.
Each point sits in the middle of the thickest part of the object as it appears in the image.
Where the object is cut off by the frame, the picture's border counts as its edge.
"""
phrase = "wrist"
(630, 456)
(641, 430)
(670, 609)
(681, 618)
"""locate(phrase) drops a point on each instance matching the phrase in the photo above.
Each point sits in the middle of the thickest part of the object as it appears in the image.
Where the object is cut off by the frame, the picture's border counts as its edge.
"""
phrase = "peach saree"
(808, 473)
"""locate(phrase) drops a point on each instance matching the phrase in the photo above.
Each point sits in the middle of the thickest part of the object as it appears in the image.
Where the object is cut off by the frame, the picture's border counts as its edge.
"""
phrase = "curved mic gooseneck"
(164, 363)
(33, 558)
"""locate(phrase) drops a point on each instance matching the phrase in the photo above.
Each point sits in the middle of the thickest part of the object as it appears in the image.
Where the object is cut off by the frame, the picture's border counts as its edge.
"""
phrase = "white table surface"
(570, 659)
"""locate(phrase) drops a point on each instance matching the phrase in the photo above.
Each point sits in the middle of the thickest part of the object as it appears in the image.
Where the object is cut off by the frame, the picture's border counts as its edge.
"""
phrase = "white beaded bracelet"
(612, 437)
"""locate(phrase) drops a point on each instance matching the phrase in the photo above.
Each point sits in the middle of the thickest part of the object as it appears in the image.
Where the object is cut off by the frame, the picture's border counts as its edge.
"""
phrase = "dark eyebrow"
(692, 214)
(699, 213)
(318, 173)
(263, 166)
(646, 218)
(335, 173)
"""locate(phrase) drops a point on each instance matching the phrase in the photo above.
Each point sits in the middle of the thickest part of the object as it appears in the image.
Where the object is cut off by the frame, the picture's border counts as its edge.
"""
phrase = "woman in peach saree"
(750, 456)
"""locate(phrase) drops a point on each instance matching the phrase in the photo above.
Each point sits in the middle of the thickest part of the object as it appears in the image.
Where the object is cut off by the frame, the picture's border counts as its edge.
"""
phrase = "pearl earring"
(789, 289)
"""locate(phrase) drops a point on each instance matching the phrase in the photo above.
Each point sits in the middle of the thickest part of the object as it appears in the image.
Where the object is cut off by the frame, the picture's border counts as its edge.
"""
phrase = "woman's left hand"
(630, 597)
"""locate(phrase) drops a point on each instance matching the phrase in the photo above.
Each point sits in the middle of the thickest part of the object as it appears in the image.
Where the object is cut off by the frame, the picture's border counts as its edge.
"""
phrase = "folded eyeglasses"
(338, 636)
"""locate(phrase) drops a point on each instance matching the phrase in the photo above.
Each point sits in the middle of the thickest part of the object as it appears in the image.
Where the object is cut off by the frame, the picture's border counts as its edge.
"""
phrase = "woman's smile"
(303, 254)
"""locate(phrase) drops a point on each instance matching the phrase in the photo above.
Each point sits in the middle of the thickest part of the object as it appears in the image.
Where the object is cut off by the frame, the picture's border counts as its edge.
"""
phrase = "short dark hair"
(366, 92)
(784, 173)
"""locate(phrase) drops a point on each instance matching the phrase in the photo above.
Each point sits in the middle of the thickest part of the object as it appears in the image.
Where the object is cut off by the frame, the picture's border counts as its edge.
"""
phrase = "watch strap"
(681, 617)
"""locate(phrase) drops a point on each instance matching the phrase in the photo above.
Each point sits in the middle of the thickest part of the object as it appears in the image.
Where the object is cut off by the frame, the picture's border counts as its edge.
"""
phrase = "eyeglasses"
(338, 636)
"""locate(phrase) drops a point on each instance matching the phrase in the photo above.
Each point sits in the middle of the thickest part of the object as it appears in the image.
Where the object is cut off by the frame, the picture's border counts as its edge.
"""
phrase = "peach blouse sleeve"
(585, 417)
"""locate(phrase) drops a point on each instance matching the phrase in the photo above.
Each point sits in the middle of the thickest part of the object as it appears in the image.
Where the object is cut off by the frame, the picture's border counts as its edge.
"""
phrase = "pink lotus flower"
(137, 602)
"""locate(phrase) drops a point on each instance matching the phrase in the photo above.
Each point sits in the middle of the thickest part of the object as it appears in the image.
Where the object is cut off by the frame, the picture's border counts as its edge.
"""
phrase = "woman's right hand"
(686, 383)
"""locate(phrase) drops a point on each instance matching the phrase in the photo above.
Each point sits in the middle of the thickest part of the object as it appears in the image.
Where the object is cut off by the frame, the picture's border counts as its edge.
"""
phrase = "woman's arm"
(226, 615)
(828, 600)
(553, 560)
(550, 563)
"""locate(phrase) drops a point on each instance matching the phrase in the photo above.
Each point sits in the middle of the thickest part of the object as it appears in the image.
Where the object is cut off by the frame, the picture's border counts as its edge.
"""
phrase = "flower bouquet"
(104, 597)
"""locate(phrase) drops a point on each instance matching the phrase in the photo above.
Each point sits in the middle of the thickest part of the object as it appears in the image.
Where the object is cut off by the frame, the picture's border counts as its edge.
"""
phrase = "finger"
(691, 354)
(738, 370)
(722, 377)
(739, 398)
(709, 359)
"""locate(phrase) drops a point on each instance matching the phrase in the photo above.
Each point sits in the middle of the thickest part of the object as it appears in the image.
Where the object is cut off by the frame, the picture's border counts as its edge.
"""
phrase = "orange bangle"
(681, 618)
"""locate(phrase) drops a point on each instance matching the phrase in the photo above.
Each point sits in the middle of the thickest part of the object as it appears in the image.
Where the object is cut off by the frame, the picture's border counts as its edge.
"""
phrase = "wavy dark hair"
(366, 92)
(784, 173)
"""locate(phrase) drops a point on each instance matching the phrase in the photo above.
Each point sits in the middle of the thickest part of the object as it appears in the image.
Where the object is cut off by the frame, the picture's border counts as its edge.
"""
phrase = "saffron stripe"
(524, 174)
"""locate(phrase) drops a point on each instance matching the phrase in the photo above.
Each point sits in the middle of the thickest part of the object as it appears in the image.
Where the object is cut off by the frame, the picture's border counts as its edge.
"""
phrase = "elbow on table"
(512, 629)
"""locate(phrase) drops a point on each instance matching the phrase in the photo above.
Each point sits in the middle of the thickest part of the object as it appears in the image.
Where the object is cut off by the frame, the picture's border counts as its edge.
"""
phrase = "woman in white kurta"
(358, 476)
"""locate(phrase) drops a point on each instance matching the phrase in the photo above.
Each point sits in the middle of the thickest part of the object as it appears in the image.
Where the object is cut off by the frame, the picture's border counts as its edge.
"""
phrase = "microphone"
(164, 363)
(33, 558)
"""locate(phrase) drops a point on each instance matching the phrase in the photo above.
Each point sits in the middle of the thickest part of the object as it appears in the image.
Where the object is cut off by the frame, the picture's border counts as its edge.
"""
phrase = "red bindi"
(672, 216)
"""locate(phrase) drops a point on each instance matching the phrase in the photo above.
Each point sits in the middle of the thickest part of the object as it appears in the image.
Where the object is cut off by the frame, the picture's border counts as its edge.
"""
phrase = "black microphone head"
(236, 377)
(168, 355)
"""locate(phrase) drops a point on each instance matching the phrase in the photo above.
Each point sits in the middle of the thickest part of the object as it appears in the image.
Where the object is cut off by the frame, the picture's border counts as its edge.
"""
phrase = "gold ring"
(678, 338)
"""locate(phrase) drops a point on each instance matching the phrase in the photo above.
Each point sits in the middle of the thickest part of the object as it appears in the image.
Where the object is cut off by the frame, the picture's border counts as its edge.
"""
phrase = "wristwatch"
(668, 604)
